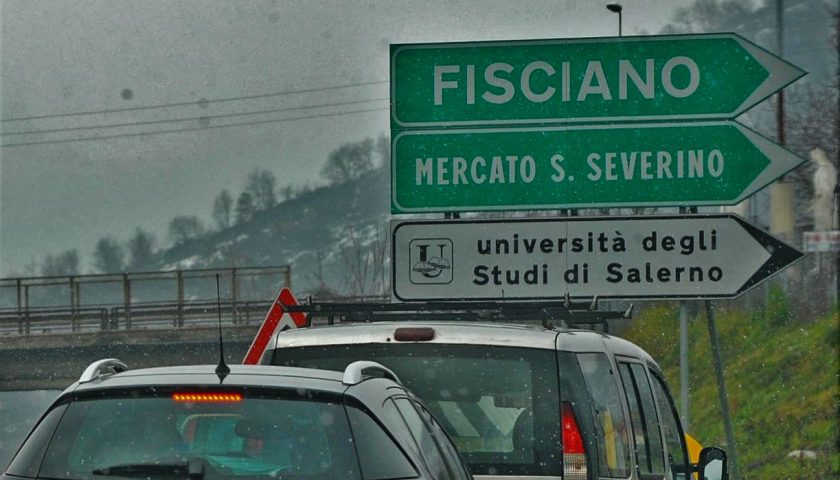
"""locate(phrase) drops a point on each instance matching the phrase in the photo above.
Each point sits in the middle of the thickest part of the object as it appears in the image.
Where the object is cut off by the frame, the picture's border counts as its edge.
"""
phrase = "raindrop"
(326, 419)
(127, 94)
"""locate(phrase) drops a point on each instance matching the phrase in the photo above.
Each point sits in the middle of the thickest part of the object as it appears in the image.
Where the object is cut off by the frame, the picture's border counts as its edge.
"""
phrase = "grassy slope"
(782, 380)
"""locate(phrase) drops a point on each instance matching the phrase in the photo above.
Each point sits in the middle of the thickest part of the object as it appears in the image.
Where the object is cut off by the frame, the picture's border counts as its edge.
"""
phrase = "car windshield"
(164, 435)
(485, 397)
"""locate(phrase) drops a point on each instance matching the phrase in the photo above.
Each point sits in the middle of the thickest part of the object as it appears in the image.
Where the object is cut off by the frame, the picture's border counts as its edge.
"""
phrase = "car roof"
(466, 333)
(205, 375)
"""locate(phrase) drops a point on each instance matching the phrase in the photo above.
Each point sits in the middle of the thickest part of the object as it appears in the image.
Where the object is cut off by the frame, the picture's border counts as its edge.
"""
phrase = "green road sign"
(713, 76)
(455, 170)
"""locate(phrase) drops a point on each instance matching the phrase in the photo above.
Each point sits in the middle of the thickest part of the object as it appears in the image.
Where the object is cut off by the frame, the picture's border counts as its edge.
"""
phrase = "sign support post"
(684, 410)
(722, 396)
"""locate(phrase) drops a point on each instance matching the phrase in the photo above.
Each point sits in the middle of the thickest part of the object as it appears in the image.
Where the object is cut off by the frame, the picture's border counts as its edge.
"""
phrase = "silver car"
(251, 422)
(522, 402)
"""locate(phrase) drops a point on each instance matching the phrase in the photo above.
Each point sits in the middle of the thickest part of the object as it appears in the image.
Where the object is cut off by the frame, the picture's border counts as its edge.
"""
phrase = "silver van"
(522, 402)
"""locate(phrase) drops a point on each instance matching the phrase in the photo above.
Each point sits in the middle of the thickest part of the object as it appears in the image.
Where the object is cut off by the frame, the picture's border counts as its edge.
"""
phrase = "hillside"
(340, 224)
(782, 380)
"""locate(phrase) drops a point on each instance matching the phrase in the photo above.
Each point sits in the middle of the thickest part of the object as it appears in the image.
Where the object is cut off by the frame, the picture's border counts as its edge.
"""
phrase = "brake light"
(574, 452)
(414, 334)
(207, 397)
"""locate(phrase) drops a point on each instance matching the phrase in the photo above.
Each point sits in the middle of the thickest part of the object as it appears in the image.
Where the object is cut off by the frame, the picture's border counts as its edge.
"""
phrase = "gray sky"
(71, 56)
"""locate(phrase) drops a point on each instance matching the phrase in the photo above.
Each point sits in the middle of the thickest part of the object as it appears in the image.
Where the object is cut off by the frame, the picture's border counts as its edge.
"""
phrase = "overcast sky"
(74, 56)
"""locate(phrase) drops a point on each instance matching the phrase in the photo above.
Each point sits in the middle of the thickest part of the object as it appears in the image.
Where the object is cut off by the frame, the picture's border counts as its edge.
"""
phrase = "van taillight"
(574, 453)
(414, 334)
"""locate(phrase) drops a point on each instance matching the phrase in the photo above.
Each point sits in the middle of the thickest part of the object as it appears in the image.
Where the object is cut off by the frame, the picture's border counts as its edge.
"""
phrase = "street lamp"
(616, 8)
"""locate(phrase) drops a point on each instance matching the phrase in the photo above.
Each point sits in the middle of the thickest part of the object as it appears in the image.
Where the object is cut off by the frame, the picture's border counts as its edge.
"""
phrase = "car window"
(380, 458)
(425, 441)
(646, 436)
(447, 449)
(254, 435)
(671, 430)
(28, 459)
(610, 423)
(500, 405)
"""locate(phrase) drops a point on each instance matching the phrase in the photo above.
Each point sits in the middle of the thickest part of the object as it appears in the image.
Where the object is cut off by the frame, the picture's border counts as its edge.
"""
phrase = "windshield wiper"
(194, 469)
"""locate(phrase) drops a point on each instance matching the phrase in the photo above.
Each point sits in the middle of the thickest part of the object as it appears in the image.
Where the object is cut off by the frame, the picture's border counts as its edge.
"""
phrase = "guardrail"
(239, 284)
(39, 321)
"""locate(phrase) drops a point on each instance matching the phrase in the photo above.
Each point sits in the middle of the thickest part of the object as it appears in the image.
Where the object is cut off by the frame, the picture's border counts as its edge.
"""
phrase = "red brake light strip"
(207, 397)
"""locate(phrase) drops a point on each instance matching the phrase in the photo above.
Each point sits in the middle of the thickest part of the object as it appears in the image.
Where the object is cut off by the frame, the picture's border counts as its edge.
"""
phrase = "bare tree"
(223, 210)
(287, 192)
(708, 16)
(244, 208)
(349, 162)
(811, 108)
(261, 185)
(383, 150)
(64, 263)
(364, 265)
(812, 122)
(303, 189)
(108, 257)
(184, 228)
(322, 290)
(141, 248)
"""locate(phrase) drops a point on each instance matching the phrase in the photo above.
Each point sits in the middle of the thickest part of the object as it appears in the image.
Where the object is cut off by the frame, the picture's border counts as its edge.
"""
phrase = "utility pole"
(782, 213)
(780, 104)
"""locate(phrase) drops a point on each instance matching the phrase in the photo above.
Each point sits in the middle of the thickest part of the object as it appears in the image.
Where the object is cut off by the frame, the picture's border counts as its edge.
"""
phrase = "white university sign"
(701, 256)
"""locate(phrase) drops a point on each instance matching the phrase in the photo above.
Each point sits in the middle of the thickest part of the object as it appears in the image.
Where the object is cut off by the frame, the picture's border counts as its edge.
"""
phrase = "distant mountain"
(344, 225)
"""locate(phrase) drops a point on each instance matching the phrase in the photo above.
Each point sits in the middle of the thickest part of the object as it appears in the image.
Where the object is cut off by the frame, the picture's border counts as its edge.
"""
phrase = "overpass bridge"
(51, 328)
(41, 362)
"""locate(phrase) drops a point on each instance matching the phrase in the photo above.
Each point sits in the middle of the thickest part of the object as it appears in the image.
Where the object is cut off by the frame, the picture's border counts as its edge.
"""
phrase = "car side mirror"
(712, 464)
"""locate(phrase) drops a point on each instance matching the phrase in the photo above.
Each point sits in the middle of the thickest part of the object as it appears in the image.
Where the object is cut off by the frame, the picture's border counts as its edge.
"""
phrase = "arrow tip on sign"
(780, 73)
(781, 160)
(782, 255)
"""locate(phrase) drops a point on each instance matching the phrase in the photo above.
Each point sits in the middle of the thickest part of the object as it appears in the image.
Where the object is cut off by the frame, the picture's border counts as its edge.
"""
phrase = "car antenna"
(222, 370)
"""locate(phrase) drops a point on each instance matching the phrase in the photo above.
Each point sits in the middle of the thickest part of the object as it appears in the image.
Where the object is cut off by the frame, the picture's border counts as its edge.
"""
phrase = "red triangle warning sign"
(277, 320)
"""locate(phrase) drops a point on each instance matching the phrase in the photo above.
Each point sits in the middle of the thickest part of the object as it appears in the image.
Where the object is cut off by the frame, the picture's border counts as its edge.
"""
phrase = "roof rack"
(95, 369)
(354, 373)
(564, 313)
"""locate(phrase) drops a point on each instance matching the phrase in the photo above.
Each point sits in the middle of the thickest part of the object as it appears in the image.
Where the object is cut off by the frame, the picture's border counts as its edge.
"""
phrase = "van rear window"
(500, 405)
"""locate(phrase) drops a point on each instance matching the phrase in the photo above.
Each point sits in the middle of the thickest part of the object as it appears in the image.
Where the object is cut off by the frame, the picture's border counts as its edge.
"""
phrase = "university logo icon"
(430, 260)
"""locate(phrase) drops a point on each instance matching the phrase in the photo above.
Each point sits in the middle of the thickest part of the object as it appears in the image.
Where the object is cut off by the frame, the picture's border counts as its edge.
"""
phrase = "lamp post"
(616, 8)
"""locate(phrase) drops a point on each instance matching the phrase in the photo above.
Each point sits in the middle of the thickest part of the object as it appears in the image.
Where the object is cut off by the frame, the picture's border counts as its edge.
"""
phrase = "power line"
(194, 102)
(191, 129)
(188, 119)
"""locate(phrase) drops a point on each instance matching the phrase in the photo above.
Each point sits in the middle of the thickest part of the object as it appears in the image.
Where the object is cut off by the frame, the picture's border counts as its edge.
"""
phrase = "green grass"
(782, 379)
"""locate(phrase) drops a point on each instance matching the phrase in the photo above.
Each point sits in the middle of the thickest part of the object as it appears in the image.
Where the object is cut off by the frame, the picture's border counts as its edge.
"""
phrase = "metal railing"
(39, 321)
(83, 303)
